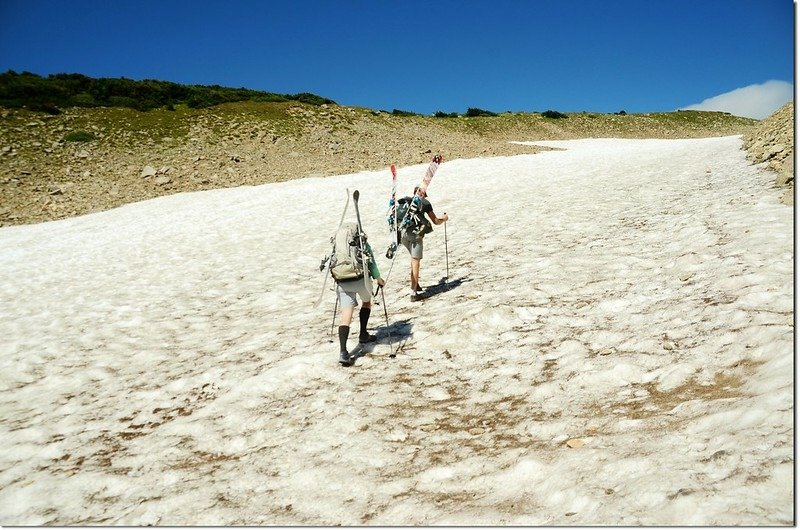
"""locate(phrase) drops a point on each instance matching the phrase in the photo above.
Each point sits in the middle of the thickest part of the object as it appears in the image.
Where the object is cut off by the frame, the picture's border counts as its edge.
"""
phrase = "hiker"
(351, 285)
(413, 242)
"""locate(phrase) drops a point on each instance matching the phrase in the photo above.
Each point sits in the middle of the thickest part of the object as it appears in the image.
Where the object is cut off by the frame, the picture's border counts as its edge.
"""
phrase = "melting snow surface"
(613, 345)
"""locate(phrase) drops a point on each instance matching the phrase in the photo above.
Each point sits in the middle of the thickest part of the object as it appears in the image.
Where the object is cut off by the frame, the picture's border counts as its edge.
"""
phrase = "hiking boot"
(344, 358)
(363, 339)
(416, 295)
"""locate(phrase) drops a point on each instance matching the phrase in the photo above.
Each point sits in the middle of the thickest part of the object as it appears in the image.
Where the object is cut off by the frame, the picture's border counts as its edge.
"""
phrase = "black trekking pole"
(446, 256)
(335, 307)
(388, 331)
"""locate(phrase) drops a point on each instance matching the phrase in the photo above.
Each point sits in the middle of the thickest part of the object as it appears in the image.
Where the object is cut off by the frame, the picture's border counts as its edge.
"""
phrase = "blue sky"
(426, 56)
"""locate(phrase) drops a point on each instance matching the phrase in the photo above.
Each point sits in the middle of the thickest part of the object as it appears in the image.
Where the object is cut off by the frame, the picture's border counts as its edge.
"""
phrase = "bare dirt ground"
(135, 156)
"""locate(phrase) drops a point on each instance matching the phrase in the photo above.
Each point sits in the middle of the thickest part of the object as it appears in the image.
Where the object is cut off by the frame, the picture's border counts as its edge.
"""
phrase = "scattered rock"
(773, 141)
(162, 180)
(575, 443)
(338, 140)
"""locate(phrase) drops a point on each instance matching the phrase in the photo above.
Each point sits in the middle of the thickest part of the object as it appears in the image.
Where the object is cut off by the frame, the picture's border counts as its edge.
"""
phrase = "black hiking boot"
(364, 339)
(345, 359)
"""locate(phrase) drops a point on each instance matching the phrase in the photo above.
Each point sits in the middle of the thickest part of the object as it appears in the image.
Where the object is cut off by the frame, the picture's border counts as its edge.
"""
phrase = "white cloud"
(753, 101)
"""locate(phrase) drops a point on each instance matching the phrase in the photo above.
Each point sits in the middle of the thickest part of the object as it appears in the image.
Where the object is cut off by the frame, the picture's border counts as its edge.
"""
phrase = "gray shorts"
(347, 291)
(413, 245)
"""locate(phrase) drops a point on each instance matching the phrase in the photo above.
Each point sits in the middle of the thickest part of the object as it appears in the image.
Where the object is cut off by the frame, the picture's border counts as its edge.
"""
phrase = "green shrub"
(311, 99)
(121, 101)
(397, 112)
(84, 100)
(79, 136)
(474, 112)
(440, 114)
(553, 114)
(76, 90)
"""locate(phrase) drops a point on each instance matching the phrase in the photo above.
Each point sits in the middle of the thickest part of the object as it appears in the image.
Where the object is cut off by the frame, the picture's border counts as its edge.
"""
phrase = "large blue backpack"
(410, 219)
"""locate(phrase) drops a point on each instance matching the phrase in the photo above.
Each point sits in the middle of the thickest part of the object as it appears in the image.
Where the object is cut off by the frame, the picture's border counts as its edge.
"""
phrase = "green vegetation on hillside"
(79, 136)
(473, 112)
(53, 93)
(553, 114)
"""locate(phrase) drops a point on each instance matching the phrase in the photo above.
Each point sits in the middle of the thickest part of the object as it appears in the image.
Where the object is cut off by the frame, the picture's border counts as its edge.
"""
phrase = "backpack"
(346, 260)
(410, 219)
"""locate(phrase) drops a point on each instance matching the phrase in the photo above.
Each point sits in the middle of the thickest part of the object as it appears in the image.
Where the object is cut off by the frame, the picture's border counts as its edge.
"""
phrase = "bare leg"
(415, 273)
(347, 316)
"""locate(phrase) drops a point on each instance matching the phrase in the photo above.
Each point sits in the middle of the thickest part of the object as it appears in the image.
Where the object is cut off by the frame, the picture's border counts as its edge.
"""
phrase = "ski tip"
(393, 170)
(355, 195)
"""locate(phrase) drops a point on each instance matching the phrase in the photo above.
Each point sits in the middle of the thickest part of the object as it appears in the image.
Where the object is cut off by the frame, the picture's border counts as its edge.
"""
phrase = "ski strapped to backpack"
(392, 216)
(362, 241)
(432, 167)
(327, 258)
(405, 215)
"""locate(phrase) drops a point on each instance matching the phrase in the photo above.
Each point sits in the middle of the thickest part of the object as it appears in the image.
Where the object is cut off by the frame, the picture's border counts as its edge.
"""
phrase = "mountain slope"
(132, 156)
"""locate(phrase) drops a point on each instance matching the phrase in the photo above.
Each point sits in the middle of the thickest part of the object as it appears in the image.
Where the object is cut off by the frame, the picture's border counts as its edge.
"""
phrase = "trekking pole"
(388, 331)
(335, 307)
(446, 256)
(391, 266)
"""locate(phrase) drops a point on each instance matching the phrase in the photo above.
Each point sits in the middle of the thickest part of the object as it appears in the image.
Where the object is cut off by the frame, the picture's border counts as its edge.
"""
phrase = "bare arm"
(438, 220)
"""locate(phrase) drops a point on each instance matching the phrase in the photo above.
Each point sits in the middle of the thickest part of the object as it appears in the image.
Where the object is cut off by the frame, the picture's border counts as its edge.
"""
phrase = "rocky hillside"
(87, 160)
(773, 142)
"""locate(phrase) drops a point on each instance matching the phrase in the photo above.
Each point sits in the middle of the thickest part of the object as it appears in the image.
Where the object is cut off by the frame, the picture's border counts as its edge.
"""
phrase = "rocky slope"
(772, 142)
(130, 156)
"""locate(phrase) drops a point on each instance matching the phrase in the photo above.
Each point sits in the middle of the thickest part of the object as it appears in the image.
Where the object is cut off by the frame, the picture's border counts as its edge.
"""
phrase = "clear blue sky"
(422, 56)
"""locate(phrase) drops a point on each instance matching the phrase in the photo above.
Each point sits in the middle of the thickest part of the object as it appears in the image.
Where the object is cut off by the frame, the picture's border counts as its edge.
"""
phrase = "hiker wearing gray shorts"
(348, 293)
(414, 243)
